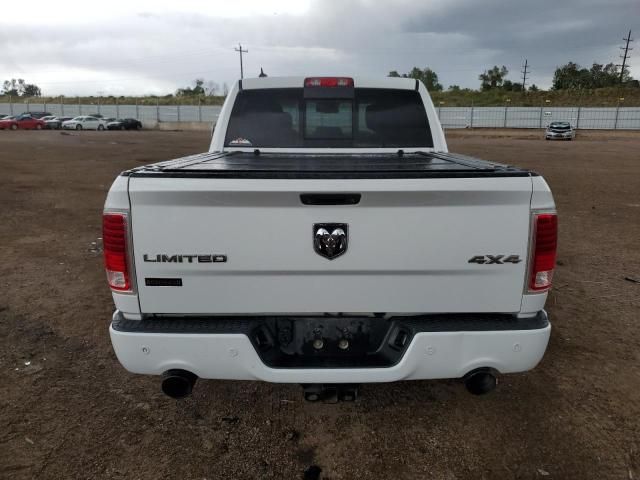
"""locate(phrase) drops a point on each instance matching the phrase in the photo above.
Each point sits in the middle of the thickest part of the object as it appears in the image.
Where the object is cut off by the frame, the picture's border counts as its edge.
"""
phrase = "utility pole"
(239, 49)
(625, 56)
(524, 75)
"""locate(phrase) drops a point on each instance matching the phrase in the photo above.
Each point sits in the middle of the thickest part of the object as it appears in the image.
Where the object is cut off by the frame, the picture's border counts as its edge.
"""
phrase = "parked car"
(3, 116)
(7, 122)
(559, 131)
(84, 123)
(47, 119)
(55, 123)
(125, 124)
(38, 115)
(399, 266)
(22, 122)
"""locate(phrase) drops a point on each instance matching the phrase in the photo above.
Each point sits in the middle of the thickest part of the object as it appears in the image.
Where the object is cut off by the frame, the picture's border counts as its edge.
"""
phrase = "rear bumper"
(431, 354)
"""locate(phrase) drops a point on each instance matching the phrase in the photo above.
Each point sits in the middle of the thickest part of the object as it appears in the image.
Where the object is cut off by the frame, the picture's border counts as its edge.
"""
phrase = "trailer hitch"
(330, 392)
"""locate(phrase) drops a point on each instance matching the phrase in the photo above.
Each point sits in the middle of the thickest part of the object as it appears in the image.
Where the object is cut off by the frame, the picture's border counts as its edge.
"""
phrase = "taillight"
(328, 82)
(543, 257)
(114, 239)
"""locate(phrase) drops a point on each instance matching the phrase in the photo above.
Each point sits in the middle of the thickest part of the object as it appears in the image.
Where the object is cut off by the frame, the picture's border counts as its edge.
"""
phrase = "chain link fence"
(606, 118)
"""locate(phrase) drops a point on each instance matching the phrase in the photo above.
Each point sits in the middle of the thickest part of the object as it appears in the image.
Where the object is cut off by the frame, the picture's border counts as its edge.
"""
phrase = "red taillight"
(328, 82)
(114, 239)
(543, 258)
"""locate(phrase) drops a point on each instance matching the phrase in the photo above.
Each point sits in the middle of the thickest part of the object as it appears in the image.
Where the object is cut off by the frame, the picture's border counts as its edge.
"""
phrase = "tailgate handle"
(330, 198)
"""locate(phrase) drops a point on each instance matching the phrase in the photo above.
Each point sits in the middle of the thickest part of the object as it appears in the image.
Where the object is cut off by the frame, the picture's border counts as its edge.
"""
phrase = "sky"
(154, 47)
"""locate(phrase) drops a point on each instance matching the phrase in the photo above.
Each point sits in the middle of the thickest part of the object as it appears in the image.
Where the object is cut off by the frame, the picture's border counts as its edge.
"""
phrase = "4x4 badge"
(495, 259)
(330, 240)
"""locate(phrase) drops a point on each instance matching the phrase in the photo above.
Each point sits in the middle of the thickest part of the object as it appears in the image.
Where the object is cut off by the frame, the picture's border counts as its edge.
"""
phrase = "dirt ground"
(69, 410)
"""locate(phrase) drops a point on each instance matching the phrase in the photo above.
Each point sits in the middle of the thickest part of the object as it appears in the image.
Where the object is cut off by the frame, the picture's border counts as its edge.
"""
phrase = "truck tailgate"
(409, 245)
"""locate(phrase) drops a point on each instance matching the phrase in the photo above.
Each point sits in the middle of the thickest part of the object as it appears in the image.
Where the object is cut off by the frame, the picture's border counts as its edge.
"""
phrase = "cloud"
(156, 47)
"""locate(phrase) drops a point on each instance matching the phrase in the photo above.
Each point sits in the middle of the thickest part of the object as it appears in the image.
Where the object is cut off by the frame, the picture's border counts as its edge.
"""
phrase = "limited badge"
(330, 240)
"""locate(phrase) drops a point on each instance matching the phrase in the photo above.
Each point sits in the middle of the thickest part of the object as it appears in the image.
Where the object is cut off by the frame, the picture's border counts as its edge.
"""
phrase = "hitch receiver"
(330, 392)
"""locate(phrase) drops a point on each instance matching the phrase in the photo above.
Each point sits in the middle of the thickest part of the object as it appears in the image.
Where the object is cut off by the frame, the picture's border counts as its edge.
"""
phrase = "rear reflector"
(114, 238)
(328, 82)
(543, 259)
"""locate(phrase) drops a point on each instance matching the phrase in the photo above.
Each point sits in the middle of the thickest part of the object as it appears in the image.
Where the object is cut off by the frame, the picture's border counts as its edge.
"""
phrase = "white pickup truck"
(328, 238)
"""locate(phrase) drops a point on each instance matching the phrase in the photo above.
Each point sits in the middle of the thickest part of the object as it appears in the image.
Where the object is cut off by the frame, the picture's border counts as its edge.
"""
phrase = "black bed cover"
(335, 166)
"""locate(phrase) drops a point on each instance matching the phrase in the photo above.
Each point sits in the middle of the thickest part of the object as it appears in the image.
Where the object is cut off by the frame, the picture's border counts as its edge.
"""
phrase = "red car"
(23, 122)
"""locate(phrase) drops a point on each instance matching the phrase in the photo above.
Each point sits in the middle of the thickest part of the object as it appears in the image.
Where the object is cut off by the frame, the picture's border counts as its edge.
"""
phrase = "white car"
(329, 238)
(559, 131)
(84, 123)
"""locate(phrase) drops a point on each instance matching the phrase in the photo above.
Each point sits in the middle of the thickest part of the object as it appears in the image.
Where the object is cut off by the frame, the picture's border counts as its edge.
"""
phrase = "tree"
(510, 86)
(454, 88)
(534, 88)
(606, 75)
(493, 78)
(197, 90)
(430, 79)
(573, 76)
(426, 76)
(19, 88)
(31, 90)
(211, 88)
(569, 76)
(415, 73)
(10, 87)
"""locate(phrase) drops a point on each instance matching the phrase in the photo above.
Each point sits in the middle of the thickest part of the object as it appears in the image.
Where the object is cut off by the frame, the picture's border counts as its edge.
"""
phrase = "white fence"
(627, 118)
(144, 113)
(539, 117)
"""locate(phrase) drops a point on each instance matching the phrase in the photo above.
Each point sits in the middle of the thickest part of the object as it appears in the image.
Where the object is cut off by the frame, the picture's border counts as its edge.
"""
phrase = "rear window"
(372, 118)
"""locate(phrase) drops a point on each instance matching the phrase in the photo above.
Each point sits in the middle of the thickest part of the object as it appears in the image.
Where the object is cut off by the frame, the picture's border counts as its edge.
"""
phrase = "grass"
(601, 97)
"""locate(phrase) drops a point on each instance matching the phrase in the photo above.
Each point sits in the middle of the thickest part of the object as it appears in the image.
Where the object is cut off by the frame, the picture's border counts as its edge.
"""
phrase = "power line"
(626, 55)
(524, 75)
(239, 49)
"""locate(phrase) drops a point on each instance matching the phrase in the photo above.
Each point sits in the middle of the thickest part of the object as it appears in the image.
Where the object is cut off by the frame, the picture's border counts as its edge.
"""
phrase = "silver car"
(559, 131)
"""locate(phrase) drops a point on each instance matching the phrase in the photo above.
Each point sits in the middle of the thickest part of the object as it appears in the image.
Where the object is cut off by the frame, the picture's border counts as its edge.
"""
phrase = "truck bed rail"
(311, 165)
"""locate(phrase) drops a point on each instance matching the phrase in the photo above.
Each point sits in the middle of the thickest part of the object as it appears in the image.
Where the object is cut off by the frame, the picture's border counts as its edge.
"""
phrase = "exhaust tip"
(480, 381)
(178, 383)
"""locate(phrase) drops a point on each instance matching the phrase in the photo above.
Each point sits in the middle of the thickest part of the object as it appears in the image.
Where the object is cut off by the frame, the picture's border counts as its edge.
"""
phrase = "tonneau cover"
(308, 165)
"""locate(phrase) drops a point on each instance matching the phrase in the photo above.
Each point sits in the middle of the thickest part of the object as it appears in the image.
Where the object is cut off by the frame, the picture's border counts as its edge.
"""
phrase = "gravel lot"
(68, 410)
